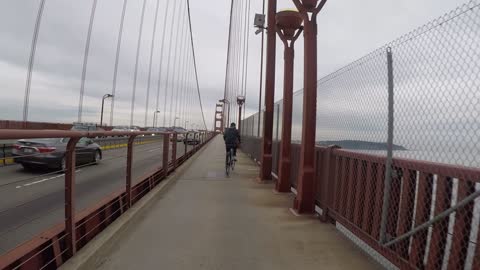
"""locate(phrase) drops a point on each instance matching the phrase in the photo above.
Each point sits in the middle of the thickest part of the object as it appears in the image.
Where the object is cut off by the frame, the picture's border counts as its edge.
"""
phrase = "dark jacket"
(231, 137)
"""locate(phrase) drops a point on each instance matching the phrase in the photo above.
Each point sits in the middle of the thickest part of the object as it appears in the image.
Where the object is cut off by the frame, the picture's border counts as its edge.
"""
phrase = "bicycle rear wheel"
(227, 164)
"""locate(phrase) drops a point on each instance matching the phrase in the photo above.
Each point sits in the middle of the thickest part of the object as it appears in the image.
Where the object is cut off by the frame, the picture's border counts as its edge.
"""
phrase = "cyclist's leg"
(235, 153)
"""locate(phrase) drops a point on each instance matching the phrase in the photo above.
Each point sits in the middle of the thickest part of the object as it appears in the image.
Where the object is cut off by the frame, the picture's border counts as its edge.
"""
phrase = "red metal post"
(239, 118)
(174, 150)
(369, 199)
(406, 210)
(266, 157)
(70, 238)
(128, 185)
(166, 142)
(186, 145)
(305, 199)
(288, 28)
(330, 176)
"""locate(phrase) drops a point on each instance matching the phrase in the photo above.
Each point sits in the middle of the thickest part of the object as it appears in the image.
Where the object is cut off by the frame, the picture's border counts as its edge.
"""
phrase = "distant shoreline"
(360, 145)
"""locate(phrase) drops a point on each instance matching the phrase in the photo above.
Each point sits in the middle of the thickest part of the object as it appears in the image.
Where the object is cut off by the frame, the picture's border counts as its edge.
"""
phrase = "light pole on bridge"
(103, 103)
(155, 117)
(305, 199)
(240, 102)
(289, 28)
(175, 121)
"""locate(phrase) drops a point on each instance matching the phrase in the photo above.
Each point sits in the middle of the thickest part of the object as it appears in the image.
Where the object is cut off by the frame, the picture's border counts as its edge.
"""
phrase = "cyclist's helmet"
(232, 125)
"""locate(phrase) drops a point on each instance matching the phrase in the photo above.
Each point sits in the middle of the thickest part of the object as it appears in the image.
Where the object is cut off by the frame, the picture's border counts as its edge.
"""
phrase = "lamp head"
(289, 21)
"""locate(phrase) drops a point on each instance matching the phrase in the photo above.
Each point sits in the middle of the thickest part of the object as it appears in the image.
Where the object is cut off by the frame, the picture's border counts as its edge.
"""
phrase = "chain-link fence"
(420, 208)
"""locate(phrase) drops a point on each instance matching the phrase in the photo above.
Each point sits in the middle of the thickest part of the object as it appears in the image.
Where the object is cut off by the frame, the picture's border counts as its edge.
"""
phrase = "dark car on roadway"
(50, 153)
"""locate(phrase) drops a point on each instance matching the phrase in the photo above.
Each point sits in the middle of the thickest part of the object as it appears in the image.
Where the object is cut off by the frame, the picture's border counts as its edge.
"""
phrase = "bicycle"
(229, 162)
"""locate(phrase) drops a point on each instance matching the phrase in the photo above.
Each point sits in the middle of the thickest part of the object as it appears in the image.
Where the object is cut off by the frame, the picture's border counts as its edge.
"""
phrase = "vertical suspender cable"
(117, 57)
(165, 15)
(85, 60)
(245, 51)
(31, 60)
(176, 66)
(246, 57)
(152, 48)
(168, 64)
(139, 43)
(227, 66)
(181, 76)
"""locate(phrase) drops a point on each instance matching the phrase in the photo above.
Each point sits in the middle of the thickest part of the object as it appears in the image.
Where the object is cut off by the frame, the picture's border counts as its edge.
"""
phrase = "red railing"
(52, 248)
(350, 191)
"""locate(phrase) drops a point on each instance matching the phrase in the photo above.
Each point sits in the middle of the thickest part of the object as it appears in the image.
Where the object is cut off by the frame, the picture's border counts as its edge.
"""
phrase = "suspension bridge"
(112, 156)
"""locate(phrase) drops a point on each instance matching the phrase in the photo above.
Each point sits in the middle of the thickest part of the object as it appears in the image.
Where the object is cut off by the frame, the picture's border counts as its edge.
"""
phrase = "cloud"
(346, 31)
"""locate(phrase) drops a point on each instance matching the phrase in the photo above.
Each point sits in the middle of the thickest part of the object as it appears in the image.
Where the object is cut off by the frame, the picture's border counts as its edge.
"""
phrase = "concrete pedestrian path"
(204, 220)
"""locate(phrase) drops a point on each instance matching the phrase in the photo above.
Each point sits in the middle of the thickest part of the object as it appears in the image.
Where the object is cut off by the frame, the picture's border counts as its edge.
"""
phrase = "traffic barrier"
(51, 248)
(105, 144)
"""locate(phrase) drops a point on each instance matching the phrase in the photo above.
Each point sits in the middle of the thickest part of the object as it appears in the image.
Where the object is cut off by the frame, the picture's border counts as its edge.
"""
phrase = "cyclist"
(232, 139)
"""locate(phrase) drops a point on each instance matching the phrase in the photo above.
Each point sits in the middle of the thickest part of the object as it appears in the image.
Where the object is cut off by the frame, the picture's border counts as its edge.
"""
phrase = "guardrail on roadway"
(433, 217)
(53, 247)
(106, 144)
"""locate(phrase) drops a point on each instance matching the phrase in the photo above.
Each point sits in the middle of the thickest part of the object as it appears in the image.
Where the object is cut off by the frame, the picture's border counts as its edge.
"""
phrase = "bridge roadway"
(31, 206)
(203, 220)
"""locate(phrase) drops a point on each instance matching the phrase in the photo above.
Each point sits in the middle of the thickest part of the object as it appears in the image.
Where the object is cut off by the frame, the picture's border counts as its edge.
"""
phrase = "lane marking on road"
(44, 180)
(155, 149)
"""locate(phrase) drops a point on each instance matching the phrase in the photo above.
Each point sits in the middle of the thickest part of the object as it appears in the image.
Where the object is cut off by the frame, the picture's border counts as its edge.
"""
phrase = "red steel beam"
(174, 150)
(305, 199)
(369, 199)
(128, 184)
(377, 210)
(351, 187)
(166, 143)
(360, 193)
(70, 197)
(266, 157)
(405, 217)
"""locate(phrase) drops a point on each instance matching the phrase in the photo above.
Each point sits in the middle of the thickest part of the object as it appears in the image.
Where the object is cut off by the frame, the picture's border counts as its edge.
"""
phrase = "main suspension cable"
(195, 64)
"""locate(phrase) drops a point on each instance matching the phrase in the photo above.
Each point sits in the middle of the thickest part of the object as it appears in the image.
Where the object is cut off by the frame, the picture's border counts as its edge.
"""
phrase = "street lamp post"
(175, 121)
(289, 28)
(155, 118)
(305, 199)
(240, 102)
(103, 103)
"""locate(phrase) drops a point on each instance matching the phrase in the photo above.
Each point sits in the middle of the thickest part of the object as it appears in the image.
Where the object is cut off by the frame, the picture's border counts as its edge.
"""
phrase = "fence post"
(70, 237)
(128, 184)
(388, 163)
(166, 142)
(174, 150)
(185, 144)
(328, 183)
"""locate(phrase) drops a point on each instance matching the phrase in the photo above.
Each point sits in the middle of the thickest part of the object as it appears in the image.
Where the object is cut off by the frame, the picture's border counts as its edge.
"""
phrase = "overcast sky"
(347, 31)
